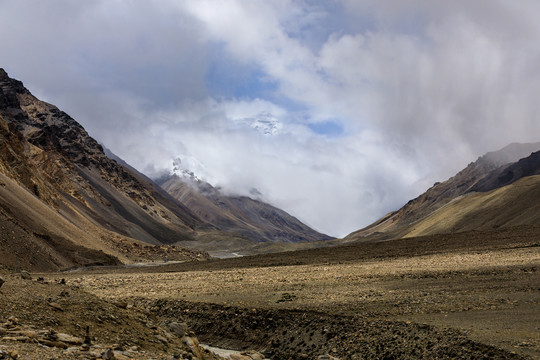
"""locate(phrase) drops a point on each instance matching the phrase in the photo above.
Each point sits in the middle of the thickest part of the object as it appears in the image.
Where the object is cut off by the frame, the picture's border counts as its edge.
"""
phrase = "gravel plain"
(488, 292)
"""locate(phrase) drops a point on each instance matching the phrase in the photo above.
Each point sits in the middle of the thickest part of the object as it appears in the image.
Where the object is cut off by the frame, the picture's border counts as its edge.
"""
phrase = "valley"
(98, 261)
(455, 296)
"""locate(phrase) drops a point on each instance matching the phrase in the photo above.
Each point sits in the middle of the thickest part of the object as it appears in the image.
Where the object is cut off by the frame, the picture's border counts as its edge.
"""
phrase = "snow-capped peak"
(263, 122)
(187, 167)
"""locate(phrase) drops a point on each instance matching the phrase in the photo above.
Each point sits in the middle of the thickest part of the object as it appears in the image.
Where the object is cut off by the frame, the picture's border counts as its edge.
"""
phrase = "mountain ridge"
(489, 172)
(100, 207)
(241, 216)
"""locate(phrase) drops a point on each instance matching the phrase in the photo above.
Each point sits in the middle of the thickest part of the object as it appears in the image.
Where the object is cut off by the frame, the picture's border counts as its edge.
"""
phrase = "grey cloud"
(420, 87)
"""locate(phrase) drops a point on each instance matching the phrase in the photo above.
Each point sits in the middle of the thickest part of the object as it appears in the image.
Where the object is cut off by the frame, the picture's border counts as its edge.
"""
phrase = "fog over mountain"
(336, 112)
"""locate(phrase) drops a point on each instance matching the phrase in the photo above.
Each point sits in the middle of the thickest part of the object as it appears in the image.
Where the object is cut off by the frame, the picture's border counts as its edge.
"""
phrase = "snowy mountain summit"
(264, 122)
(188, 168)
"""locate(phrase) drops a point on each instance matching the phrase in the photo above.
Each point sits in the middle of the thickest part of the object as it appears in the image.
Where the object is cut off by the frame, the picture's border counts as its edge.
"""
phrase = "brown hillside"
(481, 175)
(455, 205)
(245, 220)
(64, 202)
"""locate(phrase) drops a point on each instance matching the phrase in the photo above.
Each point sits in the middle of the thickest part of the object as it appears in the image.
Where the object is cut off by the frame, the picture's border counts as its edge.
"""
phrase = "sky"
(335, 111)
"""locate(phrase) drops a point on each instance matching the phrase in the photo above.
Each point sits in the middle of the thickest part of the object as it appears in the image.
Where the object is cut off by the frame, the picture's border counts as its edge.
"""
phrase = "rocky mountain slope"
(246, 220)
(63, 202)
(478, 197)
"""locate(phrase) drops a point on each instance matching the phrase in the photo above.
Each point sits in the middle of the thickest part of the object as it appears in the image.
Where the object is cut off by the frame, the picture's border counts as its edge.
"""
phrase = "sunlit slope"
(490, 172)
(511, 205)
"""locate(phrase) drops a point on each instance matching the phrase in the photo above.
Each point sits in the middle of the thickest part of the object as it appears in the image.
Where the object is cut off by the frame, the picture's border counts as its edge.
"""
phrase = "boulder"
(70, 339)
(178, 329)
(26, 275)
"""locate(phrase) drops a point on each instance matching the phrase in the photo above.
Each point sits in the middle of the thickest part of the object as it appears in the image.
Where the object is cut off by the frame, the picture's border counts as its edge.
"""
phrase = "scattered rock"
(191, 341)
(30, 334)
(119, 356)
(327, 357)
(193, 344)
(26, 275)
(50, 343)
(87, 337)
(108, 354)
(286, 297)
(2, 281)
(255, 355)
(179, 329)
(56, 306)
(162, 339)
(122, 304)
(73, 340)
(239, 357)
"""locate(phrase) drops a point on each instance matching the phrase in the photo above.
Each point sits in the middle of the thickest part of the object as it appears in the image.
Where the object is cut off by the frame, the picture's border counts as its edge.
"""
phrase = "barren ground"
(465, 296)
(484, 285)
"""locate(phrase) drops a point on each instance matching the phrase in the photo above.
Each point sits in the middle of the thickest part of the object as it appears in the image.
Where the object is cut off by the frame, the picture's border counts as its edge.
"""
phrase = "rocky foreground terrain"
(473, 295)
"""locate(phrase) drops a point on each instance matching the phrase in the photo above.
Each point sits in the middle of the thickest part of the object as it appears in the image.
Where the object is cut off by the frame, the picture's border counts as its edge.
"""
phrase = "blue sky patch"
(228, 78)
(328, 128)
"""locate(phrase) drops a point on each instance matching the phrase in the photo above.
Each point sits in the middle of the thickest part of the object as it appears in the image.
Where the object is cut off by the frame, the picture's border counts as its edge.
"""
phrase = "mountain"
(264, 122)
(246, 220)
(64, 202)
(491, 192)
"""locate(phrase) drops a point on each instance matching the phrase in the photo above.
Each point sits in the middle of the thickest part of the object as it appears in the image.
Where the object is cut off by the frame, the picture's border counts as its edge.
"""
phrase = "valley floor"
(471, 295)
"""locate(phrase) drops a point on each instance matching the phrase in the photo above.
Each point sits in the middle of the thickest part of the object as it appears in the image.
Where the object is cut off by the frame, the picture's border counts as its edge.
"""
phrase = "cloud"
(370, 102)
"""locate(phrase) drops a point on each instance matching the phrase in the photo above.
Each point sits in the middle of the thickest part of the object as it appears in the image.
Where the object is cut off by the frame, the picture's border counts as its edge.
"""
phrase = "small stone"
(179, 329)
(327, 357)
(253, 355)
(191, 341)
(119, 356)
(108, 354)
(256, 355)
(15, 338)
(57, 344)
(29, 334)
(14, 354)
(69, 339)
(122, 304)
(87, 337)
(56, 306)
(26, 275)
(162, 339)
(71, 350)
(239, 357)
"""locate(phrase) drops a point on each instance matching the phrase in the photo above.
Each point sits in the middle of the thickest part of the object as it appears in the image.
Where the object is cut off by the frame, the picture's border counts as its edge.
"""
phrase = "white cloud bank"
(419, 89)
